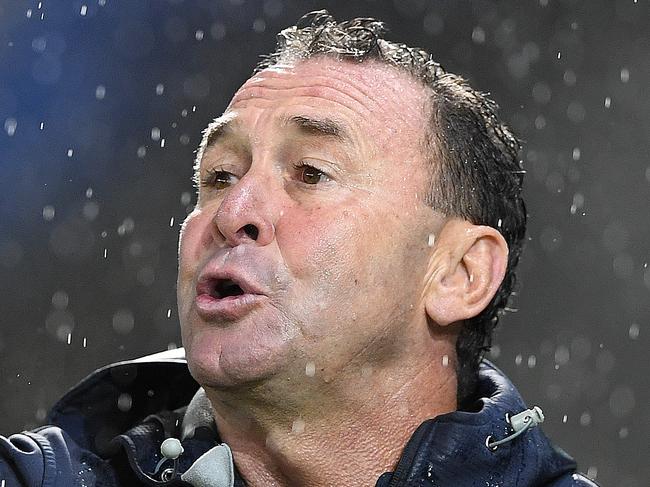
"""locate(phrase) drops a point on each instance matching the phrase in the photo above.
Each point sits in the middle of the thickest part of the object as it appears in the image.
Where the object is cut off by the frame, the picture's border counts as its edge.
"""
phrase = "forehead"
(375, 98)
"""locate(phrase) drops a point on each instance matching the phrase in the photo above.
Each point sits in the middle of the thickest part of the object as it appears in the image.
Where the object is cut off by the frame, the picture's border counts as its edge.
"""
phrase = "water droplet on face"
(298, 426)
(310, 369)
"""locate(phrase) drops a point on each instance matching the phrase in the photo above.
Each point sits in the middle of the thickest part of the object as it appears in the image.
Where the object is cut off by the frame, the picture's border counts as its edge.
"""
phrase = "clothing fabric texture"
(107, 432)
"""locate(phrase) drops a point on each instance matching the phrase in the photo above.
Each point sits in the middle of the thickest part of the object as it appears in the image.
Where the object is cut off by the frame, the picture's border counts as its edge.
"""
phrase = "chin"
(221, 358)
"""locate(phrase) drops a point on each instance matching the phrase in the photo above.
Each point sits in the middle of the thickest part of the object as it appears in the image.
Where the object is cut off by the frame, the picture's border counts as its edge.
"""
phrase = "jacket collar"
(447, 450)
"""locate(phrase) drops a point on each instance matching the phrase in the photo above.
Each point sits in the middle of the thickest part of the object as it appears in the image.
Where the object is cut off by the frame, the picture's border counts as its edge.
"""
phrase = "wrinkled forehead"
(372, 92)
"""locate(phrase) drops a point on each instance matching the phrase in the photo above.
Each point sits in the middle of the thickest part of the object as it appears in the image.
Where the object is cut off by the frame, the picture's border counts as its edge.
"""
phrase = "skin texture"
(352, 345)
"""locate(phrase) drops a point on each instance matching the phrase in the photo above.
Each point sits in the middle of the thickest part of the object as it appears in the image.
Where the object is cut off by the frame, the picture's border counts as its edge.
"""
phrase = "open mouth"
(223, 288)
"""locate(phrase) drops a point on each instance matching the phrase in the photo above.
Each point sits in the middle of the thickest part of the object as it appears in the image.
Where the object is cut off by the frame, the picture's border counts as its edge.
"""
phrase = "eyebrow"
(321, 127)
(218, 128)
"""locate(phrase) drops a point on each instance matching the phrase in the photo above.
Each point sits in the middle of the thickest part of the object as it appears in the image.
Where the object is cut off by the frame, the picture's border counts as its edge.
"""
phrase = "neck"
(343, 430)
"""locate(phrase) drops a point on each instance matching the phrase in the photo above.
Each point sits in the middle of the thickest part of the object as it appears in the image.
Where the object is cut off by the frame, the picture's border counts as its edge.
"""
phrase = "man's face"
(312, 200)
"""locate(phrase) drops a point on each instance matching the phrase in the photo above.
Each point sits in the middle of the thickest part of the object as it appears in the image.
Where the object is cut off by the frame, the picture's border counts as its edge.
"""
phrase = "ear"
(465, 270)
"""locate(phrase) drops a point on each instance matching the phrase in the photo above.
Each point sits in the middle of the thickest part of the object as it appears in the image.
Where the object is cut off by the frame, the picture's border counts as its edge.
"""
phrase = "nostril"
(251, 231)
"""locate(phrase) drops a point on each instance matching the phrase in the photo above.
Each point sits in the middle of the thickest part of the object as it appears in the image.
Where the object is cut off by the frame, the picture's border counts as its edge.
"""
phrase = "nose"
(248, 212)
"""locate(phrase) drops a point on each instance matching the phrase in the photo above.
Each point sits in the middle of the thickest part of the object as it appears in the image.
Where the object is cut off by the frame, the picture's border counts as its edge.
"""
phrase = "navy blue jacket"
(107, 432)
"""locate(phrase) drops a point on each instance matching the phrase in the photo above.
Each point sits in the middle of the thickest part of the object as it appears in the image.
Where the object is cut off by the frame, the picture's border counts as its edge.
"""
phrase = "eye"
(217, 179)
(309, 174)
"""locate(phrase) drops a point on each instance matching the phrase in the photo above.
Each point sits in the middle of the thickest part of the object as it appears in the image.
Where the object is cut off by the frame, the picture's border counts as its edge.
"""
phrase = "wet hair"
(476, 173)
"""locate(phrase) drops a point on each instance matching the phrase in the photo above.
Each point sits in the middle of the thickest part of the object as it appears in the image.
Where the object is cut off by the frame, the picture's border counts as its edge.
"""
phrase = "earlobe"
(465, 271)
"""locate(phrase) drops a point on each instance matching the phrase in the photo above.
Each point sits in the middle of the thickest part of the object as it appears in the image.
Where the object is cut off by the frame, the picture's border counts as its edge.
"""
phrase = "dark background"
(91, 198)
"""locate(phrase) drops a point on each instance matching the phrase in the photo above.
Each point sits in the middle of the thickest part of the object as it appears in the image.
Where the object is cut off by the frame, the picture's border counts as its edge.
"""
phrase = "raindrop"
(60, 300)
(125, 227)
(625, 75)
(541, 93)
(142, 151)
(433, 24)
(90, 210)
(10, 126)
(621, 401)
(578, 202)
(585, 419)
(605, 361)
(532, 361)
(366, 370)
(540, 122)
(169, 313)
(623, 433)
(518, 359)
(310, 369)
(48, 213)
(171, 222)
(184, 139)
(576, 154)
(42, 126)
(217, 31)
(160, 89)
(186, 197)
(199, 35)
(634, 331)
(445, 360)
(155, 134)
(565, 418)
(162, 142)
(576, 112)
(39, 44)
(124, 402)
(298, 426)
(123, 321)
(101, 3)
(100, 92)
(478, 35)
(84, 10)
(569, 77)
(70, 152)
(608, 102)
(431, 240)
(89, 193)
(562, 355)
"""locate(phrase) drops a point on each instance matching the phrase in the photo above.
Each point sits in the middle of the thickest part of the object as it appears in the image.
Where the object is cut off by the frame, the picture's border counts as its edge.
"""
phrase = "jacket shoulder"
(48, 456)
(114, 398)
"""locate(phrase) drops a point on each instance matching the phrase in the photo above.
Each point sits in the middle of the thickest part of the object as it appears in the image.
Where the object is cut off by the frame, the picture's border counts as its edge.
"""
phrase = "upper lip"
(211, 276)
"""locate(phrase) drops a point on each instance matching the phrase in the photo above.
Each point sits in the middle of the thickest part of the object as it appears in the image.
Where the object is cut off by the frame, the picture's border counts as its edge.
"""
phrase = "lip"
(226, 309)
(229, 307)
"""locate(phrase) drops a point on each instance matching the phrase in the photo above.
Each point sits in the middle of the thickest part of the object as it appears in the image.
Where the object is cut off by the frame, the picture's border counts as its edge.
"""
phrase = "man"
(357, 228)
